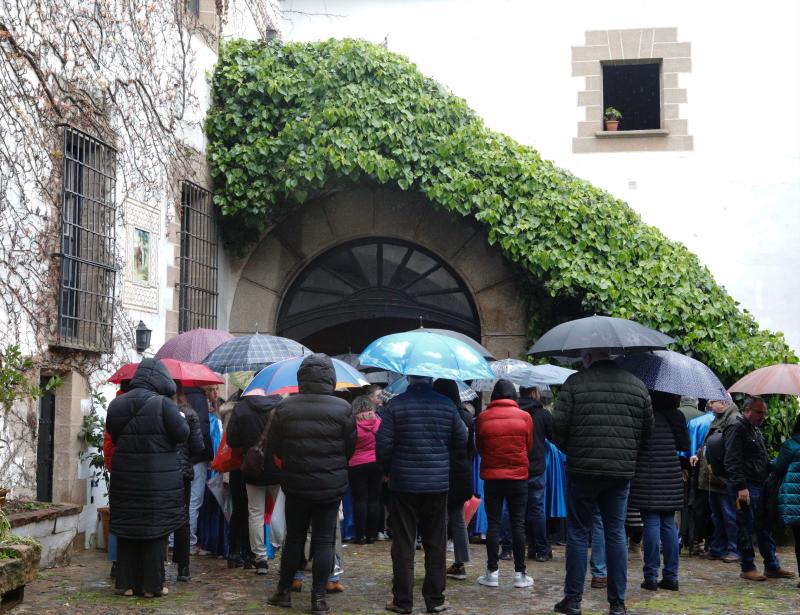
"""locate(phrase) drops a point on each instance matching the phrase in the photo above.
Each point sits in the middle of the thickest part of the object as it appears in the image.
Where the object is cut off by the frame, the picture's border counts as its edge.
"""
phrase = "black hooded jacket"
(314, 435)
(147, 491)
(192, 449)
(542, 428)
(245, 427)
(197, 398)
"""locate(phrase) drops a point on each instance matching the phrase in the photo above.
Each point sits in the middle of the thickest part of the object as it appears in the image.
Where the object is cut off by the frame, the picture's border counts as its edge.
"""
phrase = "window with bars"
(88, 224)
(198, 262)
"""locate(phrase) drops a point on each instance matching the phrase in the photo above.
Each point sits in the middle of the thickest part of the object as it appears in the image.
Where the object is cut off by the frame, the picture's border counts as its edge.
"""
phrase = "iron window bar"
(88, 243)
(198, 286)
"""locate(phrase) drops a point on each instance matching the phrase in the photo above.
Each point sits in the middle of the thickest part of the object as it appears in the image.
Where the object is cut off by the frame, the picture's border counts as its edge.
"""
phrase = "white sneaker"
(522, 580)
(382, 536)
(490, 578)
(450, 547)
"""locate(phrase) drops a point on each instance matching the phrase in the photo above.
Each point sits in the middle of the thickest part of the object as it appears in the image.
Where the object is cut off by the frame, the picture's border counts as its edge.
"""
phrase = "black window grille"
(193, 7)
(634, 89)
(198, 262)
(88, 236)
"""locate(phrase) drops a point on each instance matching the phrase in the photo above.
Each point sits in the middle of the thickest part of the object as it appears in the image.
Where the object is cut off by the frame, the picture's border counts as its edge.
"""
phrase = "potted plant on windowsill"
(612, 117)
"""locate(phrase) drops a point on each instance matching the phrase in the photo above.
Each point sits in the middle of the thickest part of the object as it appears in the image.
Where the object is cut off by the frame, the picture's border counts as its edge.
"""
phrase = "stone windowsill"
(622, 134)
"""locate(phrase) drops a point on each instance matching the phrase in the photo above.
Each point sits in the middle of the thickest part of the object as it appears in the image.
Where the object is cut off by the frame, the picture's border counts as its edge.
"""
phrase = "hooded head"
(153, 376)
(448, 388)
(316, 375)
(504, 390)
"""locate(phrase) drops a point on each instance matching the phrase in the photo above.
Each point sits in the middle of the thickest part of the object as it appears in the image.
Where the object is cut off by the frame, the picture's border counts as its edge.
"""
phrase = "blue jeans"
(745, 525)
(112, 547)
(611, 497)
(660, 533)
(723, 514)
(536, 517)
(598, 559)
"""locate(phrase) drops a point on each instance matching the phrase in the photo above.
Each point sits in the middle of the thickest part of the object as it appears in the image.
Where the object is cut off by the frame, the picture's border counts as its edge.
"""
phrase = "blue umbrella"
(524, 374)
(249, 353)
(420, 353)
(281, 378)
(672, 372)
(400, 385)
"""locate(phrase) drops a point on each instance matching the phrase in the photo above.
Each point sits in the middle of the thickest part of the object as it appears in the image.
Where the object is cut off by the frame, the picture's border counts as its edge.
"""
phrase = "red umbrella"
(184, 373)
(194, 345)
(780, 379)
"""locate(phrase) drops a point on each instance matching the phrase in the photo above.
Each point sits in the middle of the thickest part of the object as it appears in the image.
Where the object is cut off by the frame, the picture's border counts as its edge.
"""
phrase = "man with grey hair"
(419, 429)
(602, 415)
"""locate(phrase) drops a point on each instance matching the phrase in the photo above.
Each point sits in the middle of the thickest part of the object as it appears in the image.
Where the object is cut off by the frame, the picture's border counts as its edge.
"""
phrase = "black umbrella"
(614, 335)
(462, 338)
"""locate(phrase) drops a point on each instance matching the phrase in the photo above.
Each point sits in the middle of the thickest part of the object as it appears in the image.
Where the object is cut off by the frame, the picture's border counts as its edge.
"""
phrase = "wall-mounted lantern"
(142, 337)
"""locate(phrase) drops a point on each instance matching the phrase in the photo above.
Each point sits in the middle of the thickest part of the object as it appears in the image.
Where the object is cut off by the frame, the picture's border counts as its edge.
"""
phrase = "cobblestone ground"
(706, 588)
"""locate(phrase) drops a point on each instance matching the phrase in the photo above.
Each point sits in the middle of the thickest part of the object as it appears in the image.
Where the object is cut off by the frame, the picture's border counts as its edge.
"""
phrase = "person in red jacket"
(503, 436)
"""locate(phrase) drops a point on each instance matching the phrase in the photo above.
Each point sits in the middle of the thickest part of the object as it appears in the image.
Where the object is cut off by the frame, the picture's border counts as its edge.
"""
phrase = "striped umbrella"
(281, 378)
(193, 346)
(253, 352)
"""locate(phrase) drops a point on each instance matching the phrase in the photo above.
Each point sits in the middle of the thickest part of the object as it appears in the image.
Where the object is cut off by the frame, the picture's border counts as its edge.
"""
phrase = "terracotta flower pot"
(612, 125)
(105, 517)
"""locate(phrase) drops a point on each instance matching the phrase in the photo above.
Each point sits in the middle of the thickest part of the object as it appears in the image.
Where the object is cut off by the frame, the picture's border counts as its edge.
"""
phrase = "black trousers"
(239, 528)
(515, 494)
(365, 482)
(322, 517)
(180, 550)
(428, 512)
(140, 565)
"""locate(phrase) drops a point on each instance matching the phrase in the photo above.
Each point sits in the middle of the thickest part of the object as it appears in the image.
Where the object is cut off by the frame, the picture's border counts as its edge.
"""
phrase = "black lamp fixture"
(142, 337)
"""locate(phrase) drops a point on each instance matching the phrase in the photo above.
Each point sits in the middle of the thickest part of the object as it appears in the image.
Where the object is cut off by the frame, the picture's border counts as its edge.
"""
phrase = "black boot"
(183, 574)
(282, 597)
(319, 605)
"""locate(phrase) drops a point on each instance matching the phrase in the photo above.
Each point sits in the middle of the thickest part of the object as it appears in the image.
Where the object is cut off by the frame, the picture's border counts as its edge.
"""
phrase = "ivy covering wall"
(289, 121)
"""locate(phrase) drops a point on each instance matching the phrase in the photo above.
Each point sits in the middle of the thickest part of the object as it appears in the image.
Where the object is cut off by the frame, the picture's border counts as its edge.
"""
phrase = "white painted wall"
(734, 200)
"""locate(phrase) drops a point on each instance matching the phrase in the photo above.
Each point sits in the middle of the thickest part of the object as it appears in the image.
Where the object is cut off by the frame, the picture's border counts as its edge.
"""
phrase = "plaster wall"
(734, 199)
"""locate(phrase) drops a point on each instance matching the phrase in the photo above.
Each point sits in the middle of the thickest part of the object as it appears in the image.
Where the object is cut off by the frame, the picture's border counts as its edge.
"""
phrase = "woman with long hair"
(365, 473)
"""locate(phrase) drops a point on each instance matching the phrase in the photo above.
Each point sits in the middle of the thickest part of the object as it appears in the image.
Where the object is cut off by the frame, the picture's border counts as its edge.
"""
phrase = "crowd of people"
(642, 466)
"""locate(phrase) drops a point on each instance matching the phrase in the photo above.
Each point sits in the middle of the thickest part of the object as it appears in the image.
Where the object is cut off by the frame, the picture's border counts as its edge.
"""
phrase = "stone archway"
(285, 252)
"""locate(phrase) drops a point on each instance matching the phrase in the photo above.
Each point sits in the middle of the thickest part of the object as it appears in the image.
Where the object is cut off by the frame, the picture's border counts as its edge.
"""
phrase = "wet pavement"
(707, 588)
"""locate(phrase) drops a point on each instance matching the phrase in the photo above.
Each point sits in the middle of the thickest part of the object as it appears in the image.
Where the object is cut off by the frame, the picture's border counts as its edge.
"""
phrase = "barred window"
(88, 223)
(198, 263)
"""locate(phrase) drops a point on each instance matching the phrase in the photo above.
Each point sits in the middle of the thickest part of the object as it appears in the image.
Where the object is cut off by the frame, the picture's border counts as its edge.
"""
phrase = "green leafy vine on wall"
(289, 122)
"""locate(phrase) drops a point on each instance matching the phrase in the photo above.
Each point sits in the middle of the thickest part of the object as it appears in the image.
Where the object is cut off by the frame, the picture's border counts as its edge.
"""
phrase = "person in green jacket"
(788, 466)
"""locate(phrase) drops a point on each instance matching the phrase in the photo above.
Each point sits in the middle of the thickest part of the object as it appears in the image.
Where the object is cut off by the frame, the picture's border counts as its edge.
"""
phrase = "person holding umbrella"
(602, 415)
(657, 489)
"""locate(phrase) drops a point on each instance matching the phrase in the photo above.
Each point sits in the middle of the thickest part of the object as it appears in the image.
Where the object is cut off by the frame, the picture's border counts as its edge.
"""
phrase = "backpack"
(254, 458)
(715, 453)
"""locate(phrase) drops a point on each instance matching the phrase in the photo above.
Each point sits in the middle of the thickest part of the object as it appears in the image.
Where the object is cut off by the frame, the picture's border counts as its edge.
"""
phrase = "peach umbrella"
(780, 379)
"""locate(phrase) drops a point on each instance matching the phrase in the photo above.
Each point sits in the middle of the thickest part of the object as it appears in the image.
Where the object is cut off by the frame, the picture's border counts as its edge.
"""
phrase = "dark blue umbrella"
(672, 372)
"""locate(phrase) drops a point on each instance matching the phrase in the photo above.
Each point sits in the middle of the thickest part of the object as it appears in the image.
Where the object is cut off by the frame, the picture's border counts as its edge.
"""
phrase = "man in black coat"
(199, 402)
(530, 400)
(419, 430)
(314, 436)
(245, 427)
(747, 466)
(147, 495)
(602, 415)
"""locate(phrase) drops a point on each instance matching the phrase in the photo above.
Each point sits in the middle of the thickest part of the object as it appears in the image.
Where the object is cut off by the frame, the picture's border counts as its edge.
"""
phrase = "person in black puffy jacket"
(187, 452)
(245, 426)
(314, 436)
(657, 489)
(147, 494)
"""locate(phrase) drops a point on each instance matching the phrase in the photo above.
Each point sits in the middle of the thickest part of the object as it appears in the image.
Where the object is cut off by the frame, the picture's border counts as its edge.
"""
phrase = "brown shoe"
(297, 585)
(391, 606)
(599, 582)
(778, 573)
(753, 575)
(333, 587)
(730, 559)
